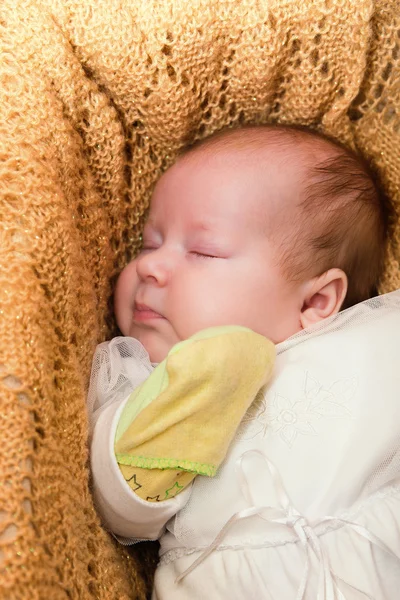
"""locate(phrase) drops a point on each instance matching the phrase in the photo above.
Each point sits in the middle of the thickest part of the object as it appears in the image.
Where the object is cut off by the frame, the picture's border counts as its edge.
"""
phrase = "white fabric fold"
(307, 533)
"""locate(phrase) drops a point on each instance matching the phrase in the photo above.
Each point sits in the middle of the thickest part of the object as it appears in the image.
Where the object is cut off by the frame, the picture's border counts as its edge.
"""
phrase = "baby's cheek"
(124, 296)
(199, 314)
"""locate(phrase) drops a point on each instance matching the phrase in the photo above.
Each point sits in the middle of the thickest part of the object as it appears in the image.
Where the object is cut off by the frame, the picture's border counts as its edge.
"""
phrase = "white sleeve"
(122, 511)
(119, 366)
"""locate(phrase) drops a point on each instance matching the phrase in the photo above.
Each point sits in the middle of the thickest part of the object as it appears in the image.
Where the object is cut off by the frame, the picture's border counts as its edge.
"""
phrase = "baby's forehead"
(272, 167)
(211, 186)
(277, 165)
(273, 156)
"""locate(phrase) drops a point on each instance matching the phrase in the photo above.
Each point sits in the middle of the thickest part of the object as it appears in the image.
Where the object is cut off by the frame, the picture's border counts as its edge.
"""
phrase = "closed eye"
(147, 248)
(203, 254)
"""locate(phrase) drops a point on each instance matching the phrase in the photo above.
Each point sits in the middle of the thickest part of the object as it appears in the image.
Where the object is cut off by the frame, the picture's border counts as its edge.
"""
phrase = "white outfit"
(307, 502)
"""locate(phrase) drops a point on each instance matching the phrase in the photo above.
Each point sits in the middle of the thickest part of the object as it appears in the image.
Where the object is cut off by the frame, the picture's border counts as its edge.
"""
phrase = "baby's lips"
(143, 312)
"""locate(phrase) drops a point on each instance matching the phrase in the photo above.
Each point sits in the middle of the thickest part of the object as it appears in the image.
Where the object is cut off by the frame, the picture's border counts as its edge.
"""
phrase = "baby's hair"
(342, 214)
(348, 214)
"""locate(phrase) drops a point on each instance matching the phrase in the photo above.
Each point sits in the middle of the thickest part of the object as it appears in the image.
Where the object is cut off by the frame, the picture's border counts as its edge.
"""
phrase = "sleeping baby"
(245, 419)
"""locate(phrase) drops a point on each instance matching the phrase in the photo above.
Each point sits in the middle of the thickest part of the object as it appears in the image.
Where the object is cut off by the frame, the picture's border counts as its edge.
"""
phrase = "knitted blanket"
(96, 99)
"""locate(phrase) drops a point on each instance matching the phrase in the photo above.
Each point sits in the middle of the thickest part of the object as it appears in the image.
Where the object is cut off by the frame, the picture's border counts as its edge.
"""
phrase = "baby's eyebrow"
(198, 226)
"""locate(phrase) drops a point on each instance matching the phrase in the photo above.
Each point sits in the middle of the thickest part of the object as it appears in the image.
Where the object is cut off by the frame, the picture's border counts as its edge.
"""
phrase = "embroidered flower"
(291, 417)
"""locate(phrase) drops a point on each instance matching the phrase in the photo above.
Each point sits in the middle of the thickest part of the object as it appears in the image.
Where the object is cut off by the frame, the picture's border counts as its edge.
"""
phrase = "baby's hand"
(192, 405)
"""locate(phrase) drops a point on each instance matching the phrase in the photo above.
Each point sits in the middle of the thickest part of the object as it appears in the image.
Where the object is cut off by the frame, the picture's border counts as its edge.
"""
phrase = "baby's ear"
(324, 296)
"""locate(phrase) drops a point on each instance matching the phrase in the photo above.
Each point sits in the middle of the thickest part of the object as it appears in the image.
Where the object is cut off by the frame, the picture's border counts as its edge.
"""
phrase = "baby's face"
(206, 259)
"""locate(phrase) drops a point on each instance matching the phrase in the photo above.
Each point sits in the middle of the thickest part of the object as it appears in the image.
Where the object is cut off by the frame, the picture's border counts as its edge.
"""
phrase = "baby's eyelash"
(202, 254)
(147, 248)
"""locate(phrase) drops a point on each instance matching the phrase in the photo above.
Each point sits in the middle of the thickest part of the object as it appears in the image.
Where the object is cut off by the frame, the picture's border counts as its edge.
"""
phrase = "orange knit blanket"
(96, 99)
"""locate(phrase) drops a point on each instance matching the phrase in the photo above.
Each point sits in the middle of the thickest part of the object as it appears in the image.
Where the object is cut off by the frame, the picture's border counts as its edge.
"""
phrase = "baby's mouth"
(142, 312)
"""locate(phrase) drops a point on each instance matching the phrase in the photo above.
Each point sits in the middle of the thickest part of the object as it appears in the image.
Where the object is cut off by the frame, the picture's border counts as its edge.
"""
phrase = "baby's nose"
(153, 266)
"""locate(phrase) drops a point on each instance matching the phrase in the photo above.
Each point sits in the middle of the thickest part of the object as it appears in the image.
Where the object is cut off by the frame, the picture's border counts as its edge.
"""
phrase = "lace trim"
(153, 462)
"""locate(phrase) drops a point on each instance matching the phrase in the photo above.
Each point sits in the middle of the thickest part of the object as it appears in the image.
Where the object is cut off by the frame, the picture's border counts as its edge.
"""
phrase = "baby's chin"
(155, 344)
(157, 355)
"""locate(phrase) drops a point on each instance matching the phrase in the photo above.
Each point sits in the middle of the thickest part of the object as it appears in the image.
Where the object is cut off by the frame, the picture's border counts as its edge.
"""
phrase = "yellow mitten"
(180, 422)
